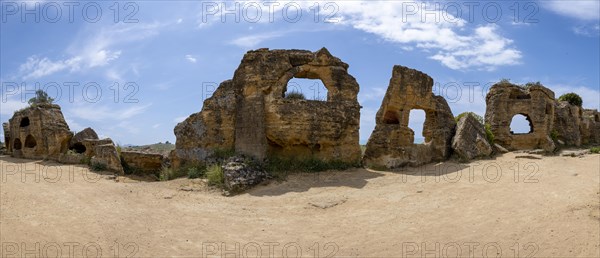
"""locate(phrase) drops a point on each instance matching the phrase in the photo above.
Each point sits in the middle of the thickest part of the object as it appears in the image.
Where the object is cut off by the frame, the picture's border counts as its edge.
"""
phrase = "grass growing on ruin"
(554, 135)
(95, 166)
(488, 128)
(477, 117)
(295, 95)
(215, 176)
(167, 173)
(222, 154)
(595, 150)
(489, 134)
(196, 172)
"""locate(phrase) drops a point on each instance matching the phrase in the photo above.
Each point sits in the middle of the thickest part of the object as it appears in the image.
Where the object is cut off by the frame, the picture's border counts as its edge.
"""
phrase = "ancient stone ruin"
(142, 163)
(38, 132)
(536, 103)
(470, 140)
(590, 127)
(391, 143)
(41, 132)
(249, 114)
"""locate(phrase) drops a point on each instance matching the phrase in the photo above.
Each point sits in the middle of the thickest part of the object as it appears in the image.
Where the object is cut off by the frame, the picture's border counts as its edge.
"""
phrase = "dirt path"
(550, 208)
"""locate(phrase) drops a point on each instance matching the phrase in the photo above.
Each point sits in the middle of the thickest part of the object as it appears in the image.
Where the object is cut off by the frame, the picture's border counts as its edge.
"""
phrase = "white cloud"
(94, 50)
(11, 105)
(453, 41)
(454, 45)
(179, 21)
(254, 40)
(587, 30)
(155, 126)
(36, 67)
(74, 126)
(372, 94)
(105, 113)
(578, 9)
(191, 59)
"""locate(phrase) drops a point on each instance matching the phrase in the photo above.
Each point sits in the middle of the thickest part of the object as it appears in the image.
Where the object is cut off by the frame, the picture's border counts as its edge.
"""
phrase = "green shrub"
(277, 165)
(222, 154)
(554, 135)
(572, 98)
(96, 166)
(196, 172)
(595, 150)
(530, 84)
(478, 117)
(295, 95)
(215, 176)
(41, 97)
(86, 160)
(489, 134)
(167, 173)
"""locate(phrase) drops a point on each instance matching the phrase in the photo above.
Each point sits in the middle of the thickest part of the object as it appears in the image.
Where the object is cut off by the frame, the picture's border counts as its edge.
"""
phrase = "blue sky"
(154, 62)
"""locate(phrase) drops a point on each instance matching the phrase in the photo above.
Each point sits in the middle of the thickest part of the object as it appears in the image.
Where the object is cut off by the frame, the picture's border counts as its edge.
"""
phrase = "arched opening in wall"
(416, 122)
(302, 88)
(24, 122)
(78, 148)
(30, 142)
(391, 118)
(17, 144)
(521, 124)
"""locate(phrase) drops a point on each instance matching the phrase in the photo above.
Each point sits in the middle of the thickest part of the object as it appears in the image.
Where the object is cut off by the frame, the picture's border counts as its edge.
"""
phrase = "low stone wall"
(144, 163)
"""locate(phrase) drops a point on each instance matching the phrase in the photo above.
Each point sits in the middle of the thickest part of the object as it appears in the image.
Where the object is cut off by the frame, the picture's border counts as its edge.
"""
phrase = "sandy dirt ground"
(508, 207)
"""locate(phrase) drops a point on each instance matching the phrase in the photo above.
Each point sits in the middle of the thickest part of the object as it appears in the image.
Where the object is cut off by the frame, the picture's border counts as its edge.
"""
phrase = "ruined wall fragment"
(250, 114)
(391, 143)
(536, 103)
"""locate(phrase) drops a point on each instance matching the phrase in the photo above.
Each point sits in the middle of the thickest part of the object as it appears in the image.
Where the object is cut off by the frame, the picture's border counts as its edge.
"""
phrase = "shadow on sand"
(302, 182)
(29, 165)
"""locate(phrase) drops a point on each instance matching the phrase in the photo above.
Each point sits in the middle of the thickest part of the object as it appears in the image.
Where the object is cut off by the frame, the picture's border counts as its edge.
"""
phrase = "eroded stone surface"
(567, 123)
(107, 154)
(145, 163)
(85, 134)
(240, 176)
(470, 141)
(590, 127)
(391, 143)
(38, 132)
(6, 130)
(505, 100)
(250, 114)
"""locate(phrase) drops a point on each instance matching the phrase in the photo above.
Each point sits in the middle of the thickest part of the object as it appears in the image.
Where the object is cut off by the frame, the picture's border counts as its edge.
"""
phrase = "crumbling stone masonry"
(250, 114)
(536, 103)
(391, 143)
(41, 132)
(6, 130)
(38, 132)
(590, 127)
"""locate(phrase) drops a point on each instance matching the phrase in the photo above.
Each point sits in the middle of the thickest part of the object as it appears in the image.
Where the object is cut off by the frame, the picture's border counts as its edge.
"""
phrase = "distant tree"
(572, 98)
(41, 97)
(167, 142)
